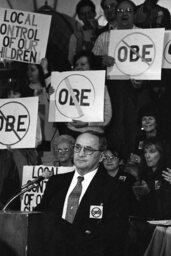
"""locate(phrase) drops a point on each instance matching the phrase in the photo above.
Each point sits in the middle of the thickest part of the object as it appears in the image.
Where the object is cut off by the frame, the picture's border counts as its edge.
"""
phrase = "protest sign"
(79, 95)
(31, 198)
(23, 35)
(138, 54)
(167, 50)
(18, 122)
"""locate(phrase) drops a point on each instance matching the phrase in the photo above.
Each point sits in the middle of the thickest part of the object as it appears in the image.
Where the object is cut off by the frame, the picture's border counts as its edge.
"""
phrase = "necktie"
(73, 200)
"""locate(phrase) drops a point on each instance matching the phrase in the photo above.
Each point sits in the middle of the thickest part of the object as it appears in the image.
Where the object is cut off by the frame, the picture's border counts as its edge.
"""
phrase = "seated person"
(84, 38)
(63, 150)
(95, 190)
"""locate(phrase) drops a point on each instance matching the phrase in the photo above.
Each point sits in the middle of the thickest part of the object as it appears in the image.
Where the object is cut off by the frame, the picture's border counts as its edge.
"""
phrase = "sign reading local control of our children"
(18, 122)
(23, 35)
(32, 197)
(167, 50)
(138, 54)
(79, 95)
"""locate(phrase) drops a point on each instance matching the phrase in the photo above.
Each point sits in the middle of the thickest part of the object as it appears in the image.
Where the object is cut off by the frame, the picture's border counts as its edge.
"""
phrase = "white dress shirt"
(85, 183)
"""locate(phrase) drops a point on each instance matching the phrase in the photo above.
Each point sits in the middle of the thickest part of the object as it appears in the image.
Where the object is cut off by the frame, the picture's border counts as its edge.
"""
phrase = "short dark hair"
(101, 137)
(93, 60)
(149, 110)
(130, 2)
(84, 3)
(103, 1)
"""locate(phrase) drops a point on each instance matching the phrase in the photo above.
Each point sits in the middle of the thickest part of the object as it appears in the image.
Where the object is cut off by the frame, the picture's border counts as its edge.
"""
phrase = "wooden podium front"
(28, 234)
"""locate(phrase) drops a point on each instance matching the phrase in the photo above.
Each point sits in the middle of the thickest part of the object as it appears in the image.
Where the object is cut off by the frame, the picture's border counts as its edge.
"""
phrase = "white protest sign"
(79, 95)
(167, 50)
(23, 35)
(138, 54)
(18, 122)
(31, 198)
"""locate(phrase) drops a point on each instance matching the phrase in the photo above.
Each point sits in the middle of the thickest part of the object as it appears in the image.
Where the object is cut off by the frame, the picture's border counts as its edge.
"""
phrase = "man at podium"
(89, 203)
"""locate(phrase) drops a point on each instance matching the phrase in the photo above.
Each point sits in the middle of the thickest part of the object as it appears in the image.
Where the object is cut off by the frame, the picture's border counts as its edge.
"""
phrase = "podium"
(29, 234)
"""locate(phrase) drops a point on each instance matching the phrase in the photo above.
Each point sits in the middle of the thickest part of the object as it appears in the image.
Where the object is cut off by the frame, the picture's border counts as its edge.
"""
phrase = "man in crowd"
(95, 216)
(151, 15)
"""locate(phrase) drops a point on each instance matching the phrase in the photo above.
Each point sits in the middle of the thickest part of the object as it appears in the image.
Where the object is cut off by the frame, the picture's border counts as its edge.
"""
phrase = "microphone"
(32, 184)
(45, 175)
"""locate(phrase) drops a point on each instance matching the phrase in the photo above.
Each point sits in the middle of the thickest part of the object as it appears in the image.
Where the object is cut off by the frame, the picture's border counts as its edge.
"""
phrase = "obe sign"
(134, 54)
(74, 95)
(14, 123)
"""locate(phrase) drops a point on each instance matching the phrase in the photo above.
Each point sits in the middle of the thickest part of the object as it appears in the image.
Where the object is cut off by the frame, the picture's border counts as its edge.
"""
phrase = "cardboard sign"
(23, 35)
(31, 198)
(138, 54)
(18, 122)
(167, 50)
(79, 95)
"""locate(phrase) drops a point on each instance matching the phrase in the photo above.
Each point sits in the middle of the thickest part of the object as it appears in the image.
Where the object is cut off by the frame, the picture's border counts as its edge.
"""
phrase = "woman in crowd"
(36, 87)
(114, 165)
(62, 146)
(156, 200)
(84, 61)
(150, 127)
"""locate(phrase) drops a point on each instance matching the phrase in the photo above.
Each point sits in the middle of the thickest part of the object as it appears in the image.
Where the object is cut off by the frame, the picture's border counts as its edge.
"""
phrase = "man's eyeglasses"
(87, 150)
(61, 150)
(121, 10)
(109, 7)
(111, 157)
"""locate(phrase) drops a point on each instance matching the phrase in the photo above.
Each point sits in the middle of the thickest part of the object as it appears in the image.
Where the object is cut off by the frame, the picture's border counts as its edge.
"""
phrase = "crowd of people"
(124, 162)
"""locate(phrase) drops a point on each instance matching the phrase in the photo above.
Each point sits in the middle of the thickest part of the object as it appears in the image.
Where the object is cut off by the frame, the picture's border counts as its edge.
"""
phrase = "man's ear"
(101, 157)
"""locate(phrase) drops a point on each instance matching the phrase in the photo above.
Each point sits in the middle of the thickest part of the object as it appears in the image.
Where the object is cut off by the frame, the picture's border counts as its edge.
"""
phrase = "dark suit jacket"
(100, 234)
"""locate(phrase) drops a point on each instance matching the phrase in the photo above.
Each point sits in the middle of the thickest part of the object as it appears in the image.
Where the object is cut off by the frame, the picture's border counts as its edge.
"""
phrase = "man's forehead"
(87, 139)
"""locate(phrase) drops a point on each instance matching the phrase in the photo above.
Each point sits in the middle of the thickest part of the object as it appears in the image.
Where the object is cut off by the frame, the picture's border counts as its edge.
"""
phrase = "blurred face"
(109, 9)
(13, 94)
(149, 123)
(86, 153)
(110, 161)
(125, 15)
(64, 153)
(86, 14)
(82, 64)
(33, 73)
(152, 156)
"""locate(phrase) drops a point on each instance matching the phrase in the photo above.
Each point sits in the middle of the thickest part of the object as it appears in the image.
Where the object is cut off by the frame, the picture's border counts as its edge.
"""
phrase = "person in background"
(84, 38)
(150, 127)
(35, 86)
(155, 163)
(115, 167)
(23, 156)
(62, 146)
(93, 236)
(151, 15)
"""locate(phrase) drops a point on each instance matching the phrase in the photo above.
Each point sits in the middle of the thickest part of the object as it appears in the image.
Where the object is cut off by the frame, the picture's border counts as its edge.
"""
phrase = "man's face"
(110, 161)
(125, 15)
(84, 145)
(109, 9)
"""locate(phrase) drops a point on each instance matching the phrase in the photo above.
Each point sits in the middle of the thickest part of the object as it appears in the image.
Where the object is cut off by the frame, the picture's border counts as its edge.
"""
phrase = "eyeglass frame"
(121, 10)
(61, 150)
(85, 148)
(111, 157)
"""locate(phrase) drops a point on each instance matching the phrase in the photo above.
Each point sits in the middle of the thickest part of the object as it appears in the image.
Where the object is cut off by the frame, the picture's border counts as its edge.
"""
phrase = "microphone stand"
(22, 191)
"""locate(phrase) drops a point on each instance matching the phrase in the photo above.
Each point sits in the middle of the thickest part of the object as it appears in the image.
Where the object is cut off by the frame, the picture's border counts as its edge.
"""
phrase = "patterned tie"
(73, 200)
